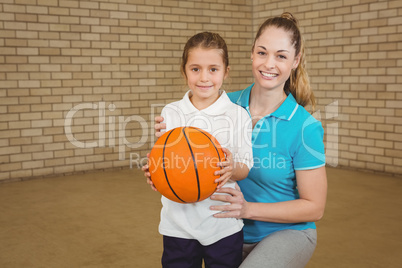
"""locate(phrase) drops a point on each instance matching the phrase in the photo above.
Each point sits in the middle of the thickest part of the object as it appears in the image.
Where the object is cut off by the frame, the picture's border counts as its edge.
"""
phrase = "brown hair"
(205, 40)
(298, 83)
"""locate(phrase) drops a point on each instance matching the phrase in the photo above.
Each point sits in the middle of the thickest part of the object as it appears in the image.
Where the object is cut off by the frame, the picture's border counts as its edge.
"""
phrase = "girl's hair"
(298, 83)
(205, 40)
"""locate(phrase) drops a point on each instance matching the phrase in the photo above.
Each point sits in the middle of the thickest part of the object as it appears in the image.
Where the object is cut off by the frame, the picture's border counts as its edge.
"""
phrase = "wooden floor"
(110, 219)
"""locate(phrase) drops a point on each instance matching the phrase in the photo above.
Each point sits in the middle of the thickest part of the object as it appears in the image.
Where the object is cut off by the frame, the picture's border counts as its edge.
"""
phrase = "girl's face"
(205, 73)
(273, 59)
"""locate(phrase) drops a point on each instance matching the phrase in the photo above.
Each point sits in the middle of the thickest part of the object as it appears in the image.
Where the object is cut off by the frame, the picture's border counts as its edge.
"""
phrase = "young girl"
(190, 231)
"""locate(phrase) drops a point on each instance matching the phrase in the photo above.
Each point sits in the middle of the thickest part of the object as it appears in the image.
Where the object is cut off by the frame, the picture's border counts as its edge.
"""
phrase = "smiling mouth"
(269, 75)
(204, 87)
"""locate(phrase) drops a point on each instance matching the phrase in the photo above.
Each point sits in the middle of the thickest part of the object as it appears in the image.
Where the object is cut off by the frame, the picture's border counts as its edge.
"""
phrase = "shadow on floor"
(110, 219)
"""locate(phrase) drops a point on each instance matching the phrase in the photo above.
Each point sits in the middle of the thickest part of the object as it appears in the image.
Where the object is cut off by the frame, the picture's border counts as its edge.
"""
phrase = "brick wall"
(80, 81)
(107, 66)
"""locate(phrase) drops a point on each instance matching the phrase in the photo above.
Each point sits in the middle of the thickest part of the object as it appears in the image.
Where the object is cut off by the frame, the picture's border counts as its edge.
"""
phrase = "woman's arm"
(312, 186)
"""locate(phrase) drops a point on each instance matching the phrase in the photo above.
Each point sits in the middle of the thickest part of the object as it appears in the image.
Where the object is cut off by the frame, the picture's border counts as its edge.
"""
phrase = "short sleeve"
(244, 153)
(310, 152)
(172, 116)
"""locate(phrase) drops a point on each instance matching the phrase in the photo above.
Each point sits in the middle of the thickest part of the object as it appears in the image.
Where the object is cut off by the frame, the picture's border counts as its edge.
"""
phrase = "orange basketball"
(182, 164)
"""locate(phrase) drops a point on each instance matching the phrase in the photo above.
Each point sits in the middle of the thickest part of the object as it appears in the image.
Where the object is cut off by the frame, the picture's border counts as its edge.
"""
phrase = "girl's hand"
(237, 207)
(227, 169)
(147, 174)
(159, 126)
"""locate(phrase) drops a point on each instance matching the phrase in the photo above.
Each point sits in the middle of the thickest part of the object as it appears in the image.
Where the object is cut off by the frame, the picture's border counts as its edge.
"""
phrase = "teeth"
(268, 74)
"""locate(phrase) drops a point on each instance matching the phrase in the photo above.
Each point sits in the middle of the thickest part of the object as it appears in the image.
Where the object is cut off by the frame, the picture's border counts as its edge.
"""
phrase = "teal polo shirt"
(289, 139)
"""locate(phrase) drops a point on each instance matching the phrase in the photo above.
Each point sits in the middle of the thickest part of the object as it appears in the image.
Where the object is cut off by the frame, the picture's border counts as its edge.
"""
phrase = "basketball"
(182, 164)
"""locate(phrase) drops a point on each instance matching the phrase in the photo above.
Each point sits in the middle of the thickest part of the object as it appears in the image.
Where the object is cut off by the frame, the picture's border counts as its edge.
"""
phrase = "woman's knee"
(286, 248)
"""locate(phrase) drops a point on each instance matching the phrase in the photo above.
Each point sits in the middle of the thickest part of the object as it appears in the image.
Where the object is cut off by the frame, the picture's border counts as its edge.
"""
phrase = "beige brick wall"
(110, 65)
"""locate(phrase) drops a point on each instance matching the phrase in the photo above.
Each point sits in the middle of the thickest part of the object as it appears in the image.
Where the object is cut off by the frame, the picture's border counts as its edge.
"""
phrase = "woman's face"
(273, 59)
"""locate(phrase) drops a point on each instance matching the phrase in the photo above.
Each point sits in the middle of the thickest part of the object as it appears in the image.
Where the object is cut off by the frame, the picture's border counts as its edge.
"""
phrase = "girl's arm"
(234, 171)
(240, 171)
(147, 174)
(312, 186)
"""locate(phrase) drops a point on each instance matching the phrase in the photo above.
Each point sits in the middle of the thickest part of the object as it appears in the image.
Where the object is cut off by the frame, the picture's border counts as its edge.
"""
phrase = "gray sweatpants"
(282, 249)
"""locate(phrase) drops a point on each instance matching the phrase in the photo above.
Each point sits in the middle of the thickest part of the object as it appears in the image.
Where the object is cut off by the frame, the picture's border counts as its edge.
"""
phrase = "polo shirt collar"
(244, 98)
(219, 107)
(286, 111)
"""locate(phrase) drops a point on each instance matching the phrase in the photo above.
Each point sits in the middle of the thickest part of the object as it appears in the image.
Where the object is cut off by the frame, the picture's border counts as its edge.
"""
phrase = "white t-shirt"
(231, 125)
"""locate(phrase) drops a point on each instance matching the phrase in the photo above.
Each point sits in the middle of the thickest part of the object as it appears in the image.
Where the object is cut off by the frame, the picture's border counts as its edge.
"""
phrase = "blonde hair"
(298, 83)
(205, 40)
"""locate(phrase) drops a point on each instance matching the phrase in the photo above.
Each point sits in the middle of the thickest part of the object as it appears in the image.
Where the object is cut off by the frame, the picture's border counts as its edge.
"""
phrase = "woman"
(285, 192)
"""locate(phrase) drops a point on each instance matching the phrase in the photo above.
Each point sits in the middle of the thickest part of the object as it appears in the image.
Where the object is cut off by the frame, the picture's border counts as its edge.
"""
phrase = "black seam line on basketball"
(163, 165)
(195, 164)
(219, 155)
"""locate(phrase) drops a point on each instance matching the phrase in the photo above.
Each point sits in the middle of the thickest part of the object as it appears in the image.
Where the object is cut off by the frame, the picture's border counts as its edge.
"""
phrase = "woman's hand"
(237, 207)
(227, 169)
(312, 187)
(159, 126)
(147, 174)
